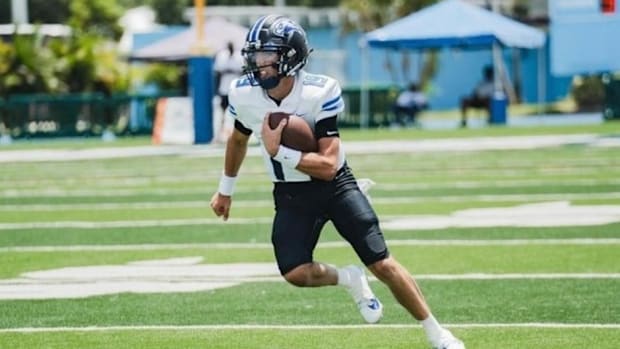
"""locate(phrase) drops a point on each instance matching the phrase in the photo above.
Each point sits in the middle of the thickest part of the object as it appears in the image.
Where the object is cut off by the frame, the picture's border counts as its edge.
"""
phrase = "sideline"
(298, 327)
(332, 244)
(352, 147)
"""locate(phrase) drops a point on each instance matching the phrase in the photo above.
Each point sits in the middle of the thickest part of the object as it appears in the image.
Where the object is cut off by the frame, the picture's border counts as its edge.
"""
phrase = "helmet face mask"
(277, 37)
(257, 60)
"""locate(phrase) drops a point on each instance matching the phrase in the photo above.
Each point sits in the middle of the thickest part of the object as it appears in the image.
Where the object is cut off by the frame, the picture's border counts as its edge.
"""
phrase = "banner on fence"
(174, 121)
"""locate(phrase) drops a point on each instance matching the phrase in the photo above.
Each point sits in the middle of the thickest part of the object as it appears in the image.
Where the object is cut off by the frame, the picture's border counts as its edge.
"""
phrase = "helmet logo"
(283, 27)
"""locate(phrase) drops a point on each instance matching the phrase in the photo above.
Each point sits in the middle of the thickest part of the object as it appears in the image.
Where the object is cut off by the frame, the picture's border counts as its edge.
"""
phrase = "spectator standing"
(227, 66)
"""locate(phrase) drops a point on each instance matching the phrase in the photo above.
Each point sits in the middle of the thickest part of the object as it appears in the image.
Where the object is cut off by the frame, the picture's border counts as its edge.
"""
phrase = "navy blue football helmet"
(279, 35)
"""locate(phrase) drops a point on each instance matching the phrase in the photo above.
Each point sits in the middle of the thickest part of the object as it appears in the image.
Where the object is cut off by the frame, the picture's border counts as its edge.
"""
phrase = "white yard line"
(266, 188)
(268, 203)
(495, 198)
(352, 147)
(515, 276)
(132, 224)
(549, 325)
(130, 205)
(333, 244)
(130, 180)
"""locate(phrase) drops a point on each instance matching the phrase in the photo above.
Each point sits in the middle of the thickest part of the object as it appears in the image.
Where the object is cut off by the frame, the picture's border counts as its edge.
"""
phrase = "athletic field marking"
(545, 214)
(132, 224)
(13, 186)
(188, 274)
(549, 325)
(131, 205)
(353, 147)
(59, 192)
(114, 193)
(332, 244)
(269, 203)
(495, 198)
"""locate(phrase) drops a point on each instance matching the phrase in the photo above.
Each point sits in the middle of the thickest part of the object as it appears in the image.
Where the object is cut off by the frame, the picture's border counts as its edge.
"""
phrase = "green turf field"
(514, 248)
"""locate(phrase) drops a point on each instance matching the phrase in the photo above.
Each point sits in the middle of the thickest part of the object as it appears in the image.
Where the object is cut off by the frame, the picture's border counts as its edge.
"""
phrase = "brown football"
(297, 134)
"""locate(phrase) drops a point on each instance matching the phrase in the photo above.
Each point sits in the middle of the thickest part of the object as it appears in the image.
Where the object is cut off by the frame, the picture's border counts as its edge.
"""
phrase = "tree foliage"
(26, 66)
(372, 14)
(170, 11)
(84, 61)
(98, 17)
(367, 15)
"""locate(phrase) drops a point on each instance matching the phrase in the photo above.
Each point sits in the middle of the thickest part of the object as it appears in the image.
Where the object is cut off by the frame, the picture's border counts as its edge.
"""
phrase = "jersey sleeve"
(331, 101)
(235, 107)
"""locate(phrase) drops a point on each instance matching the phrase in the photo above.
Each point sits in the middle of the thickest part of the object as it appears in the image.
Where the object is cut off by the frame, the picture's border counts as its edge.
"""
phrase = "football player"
(311, 188)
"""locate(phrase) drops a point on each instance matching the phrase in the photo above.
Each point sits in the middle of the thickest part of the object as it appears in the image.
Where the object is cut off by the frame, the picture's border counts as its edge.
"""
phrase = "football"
(297, 134)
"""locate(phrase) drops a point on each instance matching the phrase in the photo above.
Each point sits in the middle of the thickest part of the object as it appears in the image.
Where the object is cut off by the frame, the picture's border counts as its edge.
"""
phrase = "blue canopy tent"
(450, 23)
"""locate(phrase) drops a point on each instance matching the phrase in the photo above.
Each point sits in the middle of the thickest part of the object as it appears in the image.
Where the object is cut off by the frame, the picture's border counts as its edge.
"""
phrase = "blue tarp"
(454, 23)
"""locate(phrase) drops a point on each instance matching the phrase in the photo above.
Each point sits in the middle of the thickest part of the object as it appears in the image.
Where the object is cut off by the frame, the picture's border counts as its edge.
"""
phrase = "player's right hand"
(220, 204)
(271, 137)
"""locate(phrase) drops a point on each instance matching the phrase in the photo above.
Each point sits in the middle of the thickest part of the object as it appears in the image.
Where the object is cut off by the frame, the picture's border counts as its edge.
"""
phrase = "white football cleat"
(368, 305)
(448, 341)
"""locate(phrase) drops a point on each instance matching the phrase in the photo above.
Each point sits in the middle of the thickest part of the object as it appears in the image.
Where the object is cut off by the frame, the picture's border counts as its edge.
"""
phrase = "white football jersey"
(313, 98)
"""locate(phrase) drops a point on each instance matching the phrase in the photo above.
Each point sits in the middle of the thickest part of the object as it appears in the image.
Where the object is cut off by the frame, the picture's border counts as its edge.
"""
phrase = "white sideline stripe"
(188, 221)
(26, 186)
(436, 277)
(494, 198)
(132, 224)
(332, 244)
(269, 203)
(296, 327)
(108, 193)
(515, 276)
(353, 147)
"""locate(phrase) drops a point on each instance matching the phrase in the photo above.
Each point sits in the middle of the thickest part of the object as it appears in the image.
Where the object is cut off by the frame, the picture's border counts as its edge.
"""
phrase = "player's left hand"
(220, 204)
(271, 138)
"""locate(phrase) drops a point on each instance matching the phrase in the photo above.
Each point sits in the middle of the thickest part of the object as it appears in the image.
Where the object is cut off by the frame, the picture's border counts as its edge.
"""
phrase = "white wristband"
(287, 156)
(227, 185)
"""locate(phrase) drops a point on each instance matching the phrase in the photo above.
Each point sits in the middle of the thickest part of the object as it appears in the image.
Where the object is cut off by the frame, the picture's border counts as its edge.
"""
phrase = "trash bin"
(499, 104)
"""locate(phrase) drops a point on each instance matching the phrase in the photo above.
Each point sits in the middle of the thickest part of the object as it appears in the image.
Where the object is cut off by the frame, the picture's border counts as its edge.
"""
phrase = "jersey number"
(315, 80)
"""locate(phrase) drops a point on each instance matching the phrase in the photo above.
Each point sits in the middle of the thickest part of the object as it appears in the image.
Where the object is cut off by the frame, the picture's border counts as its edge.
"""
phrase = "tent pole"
(497, 71)
(364, 95)
(542, 73)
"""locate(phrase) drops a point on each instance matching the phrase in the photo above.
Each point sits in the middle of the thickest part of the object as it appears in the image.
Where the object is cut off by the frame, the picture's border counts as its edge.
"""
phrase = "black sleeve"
(239, 126)
(327, 127)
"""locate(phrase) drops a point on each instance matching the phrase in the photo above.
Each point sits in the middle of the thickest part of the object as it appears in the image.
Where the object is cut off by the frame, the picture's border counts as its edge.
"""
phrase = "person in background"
(310, 189)
(480, 97)
(408, 104)
(227, 66)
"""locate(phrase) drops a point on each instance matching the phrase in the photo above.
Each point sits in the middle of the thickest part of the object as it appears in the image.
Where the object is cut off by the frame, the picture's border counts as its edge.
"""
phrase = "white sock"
(432, 328)
(344, 278)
